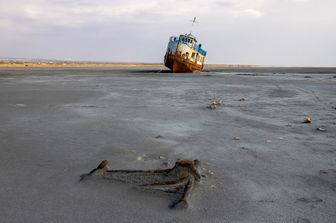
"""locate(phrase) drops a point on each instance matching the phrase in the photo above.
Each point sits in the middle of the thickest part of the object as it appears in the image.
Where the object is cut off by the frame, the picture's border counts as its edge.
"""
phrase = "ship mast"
(193, 22)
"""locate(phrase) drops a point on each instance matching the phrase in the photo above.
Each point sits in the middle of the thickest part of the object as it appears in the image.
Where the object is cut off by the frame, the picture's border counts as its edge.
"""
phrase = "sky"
(258, 32)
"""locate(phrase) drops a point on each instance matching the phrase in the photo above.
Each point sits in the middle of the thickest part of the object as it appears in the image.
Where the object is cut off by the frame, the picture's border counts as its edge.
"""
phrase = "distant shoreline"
(7, 64)
(56, 63)
(73, 64)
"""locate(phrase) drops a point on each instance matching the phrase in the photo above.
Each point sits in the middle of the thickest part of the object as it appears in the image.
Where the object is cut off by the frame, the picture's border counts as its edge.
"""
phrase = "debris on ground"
(321, 129)
(242, 99)
(268, 141)
(236, 138)
(158, 136)
(214, 104)
(308, 120)
(179, 179)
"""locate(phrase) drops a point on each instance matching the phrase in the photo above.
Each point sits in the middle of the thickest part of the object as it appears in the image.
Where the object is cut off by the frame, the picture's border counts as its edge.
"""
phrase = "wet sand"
(268, 166)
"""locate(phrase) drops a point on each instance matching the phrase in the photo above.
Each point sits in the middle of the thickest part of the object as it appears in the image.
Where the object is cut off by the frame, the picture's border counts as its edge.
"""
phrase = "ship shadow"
(151, 71)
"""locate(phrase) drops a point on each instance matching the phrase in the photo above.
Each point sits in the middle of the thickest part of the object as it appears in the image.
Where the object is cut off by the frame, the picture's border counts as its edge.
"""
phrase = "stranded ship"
(184, 54)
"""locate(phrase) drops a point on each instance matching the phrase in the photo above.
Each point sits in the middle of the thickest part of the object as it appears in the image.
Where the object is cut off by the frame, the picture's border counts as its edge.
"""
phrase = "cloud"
(249, 12)
(224, 4)
(74, 13)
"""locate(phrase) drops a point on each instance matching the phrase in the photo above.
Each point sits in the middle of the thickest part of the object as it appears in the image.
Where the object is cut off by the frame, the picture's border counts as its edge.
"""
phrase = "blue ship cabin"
(191, 41)
(188, 39)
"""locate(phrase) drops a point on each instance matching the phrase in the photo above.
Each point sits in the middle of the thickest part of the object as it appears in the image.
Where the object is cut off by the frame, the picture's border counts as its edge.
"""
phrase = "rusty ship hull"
(184, 55)
(178, 64)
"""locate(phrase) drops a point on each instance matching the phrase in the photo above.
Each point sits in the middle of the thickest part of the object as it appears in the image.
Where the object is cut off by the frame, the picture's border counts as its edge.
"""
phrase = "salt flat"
(268, 166)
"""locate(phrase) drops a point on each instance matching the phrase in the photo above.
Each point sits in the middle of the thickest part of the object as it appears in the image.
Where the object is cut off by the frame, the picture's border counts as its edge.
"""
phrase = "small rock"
(139, 158)
(321, 129)
(308, 120)
(88, 106)
(158, 136)
(268, 141)
(307, 77)
(210, 172)
(236, 138)
(212, 186)
(301, 220)
(242, 99)
(162, 157)
(18, 105)
(323, 171)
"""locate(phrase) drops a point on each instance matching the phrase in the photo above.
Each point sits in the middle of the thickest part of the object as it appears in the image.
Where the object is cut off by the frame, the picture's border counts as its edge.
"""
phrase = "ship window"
(192, 55)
